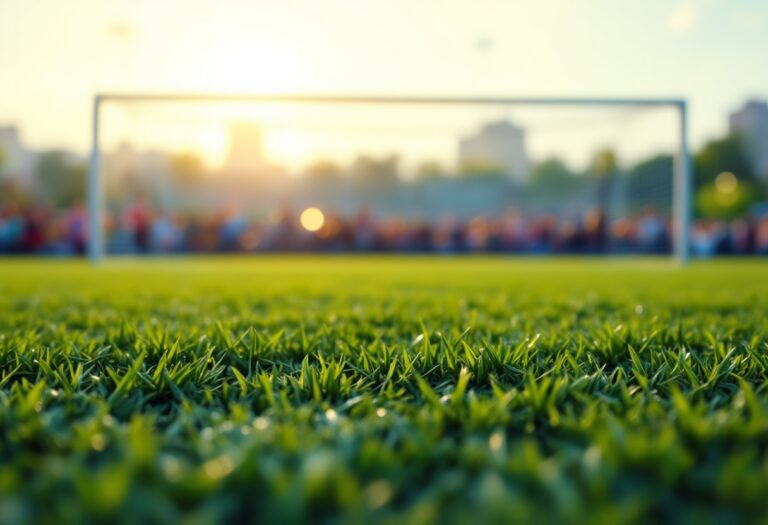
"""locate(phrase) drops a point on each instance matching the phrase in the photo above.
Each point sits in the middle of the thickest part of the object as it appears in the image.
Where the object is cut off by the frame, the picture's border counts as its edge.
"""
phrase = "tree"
(650, 183)
(725, 198)
(59, 179)
(323, 172)
(604, 168)
(374, 172)
(430, 170)
(483, 171)
(552, 177)
(187, 168)
(719, 156)
(604, 164)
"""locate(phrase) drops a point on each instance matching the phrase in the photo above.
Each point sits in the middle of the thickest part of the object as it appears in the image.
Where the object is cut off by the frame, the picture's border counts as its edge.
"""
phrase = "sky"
(54, 55)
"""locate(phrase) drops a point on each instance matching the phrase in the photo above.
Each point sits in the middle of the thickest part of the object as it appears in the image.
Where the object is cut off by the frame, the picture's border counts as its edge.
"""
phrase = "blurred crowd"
(141, 229)
(40, 229)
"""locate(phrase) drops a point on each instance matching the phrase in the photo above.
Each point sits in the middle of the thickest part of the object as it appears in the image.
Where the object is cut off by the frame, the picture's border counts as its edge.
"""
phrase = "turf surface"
(415, 390)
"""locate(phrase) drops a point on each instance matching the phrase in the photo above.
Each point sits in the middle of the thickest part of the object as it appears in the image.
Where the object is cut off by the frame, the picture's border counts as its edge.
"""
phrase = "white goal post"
(682, 183)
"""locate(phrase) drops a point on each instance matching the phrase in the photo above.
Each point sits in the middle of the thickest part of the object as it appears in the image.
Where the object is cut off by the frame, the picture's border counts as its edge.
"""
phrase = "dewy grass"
(383, 390)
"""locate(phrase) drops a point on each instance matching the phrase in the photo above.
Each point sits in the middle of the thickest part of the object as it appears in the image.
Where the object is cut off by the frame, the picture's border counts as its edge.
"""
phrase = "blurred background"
(254, 177)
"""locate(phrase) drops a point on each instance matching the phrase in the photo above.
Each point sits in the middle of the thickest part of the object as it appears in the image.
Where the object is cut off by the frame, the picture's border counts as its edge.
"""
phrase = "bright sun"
(312, 219)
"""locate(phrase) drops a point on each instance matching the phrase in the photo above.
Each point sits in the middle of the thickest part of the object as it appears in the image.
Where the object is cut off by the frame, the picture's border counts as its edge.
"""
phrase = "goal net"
(194, 173)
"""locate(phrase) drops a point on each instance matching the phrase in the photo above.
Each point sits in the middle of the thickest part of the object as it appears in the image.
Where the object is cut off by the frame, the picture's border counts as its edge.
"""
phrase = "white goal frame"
(681, 202)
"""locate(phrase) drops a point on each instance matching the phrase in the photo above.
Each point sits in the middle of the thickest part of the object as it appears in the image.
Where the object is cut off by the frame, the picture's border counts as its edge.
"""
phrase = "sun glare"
(726, 182)
(291, 148)
(312, 219)
(213, 145)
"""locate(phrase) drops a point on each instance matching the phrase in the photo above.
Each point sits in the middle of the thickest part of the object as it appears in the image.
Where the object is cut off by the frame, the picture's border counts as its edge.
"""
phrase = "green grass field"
(394, 390)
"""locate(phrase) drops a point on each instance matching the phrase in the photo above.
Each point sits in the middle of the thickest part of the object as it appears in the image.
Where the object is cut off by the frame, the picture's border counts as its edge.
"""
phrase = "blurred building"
(750, 123)
(16, 161)
(246, 150)
(498, 144)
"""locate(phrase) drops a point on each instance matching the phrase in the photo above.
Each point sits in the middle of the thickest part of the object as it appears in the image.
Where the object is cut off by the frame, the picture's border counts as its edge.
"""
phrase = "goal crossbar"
(681, 183)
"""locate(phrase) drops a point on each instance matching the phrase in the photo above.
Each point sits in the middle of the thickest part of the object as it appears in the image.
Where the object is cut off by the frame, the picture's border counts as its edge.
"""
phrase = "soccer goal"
(185, 173)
